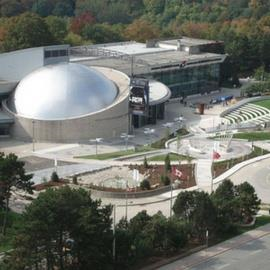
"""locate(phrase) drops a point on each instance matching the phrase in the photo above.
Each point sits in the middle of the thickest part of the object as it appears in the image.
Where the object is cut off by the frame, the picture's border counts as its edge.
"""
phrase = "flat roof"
(147, 63)
(133, 48)
(186, 41)
(158, 92)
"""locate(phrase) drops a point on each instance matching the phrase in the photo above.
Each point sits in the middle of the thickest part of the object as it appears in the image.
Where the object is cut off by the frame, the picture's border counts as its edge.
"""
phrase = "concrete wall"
(129, 195)
(106, 123)
(16, 65)
(6, 87)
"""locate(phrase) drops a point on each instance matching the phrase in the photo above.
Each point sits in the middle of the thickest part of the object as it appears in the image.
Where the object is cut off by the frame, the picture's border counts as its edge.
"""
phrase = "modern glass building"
(190, 81)
(187, 66)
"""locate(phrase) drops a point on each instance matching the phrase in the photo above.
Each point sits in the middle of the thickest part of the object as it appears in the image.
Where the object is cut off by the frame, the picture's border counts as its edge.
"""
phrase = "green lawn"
(14, 224)
(264, 103)
(173, 157)
(118, 153)
(253, 136)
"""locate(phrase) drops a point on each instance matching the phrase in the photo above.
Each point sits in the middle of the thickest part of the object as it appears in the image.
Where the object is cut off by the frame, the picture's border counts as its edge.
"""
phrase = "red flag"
(216, 155)
(177, 172)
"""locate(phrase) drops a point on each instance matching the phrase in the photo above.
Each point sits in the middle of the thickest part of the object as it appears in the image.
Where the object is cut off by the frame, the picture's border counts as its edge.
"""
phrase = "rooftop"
(152, 61)
(186, 41)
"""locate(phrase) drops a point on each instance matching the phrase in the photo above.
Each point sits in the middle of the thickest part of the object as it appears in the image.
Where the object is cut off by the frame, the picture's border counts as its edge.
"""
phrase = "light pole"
(149, 132)
(114, 221)
(171, 199)
(126, 195)
(33, 135)
(126, 137)
(207, 237)
(96, 141)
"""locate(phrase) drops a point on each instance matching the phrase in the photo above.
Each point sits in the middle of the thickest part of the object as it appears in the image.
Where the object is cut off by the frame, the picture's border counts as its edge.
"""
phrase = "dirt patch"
(154, 172)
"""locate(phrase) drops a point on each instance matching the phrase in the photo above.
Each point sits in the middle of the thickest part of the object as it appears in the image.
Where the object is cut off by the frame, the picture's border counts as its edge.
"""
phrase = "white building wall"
(16, 65)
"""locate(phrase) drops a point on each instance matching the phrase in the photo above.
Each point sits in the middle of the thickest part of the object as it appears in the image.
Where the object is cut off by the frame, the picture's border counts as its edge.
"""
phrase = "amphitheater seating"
(248, 113)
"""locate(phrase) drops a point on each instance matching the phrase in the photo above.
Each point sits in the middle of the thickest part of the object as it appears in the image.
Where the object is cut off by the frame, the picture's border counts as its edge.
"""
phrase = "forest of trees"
(243, 25)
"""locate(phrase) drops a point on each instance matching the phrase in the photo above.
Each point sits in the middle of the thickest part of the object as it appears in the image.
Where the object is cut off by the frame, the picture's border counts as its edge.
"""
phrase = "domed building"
(68, 102)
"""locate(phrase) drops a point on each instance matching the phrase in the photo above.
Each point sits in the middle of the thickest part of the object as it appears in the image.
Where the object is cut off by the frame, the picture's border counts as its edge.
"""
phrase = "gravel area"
(33, 163)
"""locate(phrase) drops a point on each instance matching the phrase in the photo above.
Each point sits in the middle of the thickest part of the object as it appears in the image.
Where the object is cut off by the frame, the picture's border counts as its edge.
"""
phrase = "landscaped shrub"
(54, 177)
(145, 185)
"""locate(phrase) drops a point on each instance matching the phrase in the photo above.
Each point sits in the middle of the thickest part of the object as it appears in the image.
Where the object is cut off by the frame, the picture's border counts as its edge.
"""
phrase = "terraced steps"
(248, 113)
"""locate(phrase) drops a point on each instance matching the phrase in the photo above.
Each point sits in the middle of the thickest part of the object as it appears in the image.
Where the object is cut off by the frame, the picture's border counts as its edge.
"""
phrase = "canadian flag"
(177, 172)
(216, 155)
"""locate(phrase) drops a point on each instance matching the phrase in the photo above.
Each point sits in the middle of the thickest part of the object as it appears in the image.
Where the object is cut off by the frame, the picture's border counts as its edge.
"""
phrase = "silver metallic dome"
(62, 91)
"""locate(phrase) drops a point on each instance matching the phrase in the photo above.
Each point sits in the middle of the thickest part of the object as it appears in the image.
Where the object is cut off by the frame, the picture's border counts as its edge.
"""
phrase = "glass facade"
(156, 112)
(189, 81)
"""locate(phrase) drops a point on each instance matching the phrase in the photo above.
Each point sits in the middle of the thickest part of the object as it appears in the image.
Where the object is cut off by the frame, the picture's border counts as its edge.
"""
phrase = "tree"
(165, 179)
(141, 30)
(73, 232)
(54, 177)
(25, 31)
(197, 209)
(11, 8)
(225, 201)
(145, 163)
(154, 6)
(78, 23)
(100, 33)
(248, 201)
(167, 165)
(64, 8)
(57, 27)
(12, 174)
(145, 184)
(43, 8)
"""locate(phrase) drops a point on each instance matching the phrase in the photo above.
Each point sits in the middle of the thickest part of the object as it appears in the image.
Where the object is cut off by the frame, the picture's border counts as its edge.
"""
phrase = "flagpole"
(171, 200)
(212, 173)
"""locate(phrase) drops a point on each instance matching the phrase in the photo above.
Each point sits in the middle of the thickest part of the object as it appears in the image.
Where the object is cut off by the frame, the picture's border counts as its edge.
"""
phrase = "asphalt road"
(258, 175)
(253, 255)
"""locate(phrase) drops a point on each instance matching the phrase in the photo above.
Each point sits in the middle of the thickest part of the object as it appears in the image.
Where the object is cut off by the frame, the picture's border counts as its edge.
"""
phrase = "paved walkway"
(214, 251)
(65, 171)
(204, 174)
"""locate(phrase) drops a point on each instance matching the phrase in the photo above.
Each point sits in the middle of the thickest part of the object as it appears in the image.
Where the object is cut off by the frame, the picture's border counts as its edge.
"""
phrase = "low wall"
(129, 195)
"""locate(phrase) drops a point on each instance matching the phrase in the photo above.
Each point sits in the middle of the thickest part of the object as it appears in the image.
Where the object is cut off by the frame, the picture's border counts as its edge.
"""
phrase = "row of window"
(55, 53)
(189, 81)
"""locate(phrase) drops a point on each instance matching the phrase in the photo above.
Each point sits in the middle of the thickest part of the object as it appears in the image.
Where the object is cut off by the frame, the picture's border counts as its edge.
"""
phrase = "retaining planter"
(129, 195)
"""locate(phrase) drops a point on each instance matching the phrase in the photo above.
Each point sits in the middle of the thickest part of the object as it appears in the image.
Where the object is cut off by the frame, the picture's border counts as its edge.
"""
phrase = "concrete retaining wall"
(106, 123)
(130, 195)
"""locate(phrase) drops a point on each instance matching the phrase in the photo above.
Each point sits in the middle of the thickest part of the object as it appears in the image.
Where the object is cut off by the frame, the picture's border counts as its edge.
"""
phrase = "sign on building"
(139, 96)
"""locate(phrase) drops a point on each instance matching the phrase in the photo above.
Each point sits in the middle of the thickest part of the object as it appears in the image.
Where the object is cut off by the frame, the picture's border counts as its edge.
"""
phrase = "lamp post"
(149, 132)
(126, 137)
(126, 197)
(96, 141)
(171, 198)
(207, 237)
(33, 135)
(114, 221)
